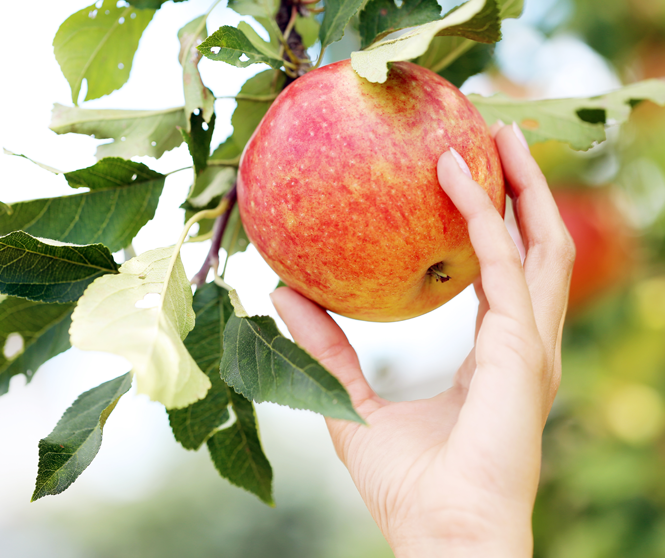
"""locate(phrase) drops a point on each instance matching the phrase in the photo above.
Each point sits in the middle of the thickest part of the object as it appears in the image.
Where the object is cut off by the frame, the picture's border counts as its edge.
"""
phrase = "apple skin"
(338, 190)
(606, 245)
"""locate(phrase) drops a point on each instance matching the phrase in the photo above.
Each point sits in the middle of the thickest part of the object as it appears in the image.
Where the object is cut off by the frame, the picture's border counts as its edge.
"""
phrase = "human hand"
(456, 475)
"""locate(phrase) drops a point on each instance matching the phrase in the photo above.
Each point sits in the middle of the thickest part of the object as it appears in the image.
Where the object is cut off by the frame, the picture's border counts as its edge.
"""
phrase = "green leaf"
(42, 329)
(230, 45)
(150, 4)
(5, 209)
(198, 140)
(308, 29)
(42, 165)
(112, 172)
(337, 15)
(511, 8)
(122, 199)
(445, 51)
(263, 365)
(197, 95)
(477, 20)
(578, 122)
(255, 8)
(98, 45)
(235, 238)
(36, 270)
(469, 64)
(67, 451)
(135, 132)
(382, 17)
(108, 319)
(237, 453)
(194, 424)
(208, 188)
(248, 114)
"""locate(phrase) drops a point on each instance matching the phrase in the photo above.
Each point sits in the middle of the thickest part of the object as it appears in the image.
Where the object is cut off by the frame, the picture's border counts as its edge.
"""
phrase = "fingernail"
(501, 122)
(461, 162)
(520, 136)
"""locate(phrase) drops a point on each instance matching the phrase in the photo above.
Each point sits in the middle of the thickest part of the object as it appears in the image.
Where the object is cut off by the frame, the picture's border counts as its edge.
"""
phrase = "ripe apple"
(338, 191)
(606, 245)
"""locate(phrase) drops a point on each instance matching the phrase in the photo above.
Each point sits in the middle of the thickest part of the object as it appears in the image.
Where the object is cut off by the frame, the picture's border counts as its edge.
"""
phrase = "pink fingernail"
(461, 162)
(520, 136)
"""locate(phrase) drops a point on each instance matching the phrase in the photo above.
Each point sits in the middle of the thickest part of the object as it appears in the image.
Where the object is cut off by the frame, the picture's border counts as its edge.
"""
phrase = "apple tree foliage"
(202, 356)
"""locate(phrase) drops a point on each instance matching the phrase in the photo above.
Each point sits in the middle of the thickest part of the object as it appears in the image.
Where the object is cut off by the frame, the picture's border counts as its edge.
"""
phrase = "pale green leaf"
(122, 199)
(255, 8)
(511, 8)
(197, 95)
(237, 453)
(477, 20)
(135, 132)
(578, 122)
(232, 46)
(67, 451)
(39, 271)
(209, 186)
(42, 165)
(107, 319)
(335, 19)
(263, 365)
(41, 331)
(150, 4)
(382, 17)
(308, 29)
(98, 45)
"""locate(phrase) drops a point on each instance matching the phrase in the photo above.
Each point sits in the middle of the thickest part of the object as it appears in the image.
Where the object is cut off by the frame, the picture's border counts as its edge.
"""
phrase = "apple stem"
(219, 228)
(435, 271)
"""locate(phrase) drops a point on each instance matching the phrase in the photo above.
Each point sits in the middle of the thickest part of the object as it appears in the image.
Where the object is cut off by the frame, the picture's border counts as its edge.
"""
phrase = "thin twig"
(212, 259)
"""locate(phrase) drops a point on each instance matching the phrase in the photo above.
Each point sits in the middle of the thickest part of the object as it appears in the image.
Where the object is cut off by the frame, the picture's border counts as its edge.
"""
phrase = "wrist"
(465, 549)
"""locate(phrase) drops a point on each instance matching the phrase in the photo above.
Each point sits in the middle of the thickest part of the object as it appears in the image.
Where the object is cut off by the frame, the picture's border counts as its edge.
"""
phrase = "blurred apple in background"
(606, 245)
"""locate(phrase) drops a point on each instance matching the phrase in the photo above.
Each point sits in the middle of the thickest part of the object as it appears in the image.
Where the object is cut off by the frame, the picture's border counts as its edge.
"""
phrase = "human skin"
(456, 475)
(338, 190)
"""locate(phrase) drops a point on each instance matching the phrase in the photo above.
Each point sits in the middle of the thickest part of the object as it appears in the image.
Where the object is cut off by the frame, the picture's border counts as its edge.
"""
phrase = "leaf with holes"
(135, 132)
(237, 453)
(578, 122)
(44, 272)
(232, 46)
(198, 140)
(123, 197)
(197, 95)
(67, 451)
(335, 19)
(478, 20)
(194, 424)
(112, 316)
(30, 334)
(98, 45)
(263, 365)
(382, 17)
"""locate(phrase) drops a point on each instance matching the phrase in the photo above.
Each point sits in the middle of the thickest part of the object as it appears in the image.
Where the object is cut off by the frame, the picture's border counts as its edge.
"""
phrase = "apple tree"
(202, 356)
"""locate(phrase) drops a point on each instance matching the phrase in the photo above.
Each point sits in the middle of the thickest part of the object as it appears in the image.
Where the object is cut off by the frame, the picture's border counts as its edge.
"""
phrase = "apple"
(338, 190)
(605, 243)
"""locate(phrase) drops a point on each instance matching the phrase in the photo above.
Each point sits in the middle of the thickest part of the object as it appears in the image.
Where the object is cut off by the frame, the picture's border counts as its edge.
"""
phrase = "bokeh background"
(603, 482)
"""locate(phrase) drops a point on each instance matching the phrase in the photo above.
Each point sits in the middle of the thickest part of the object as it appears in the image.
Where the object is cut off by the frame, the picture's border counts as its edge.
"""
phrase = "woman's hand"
(456, 475)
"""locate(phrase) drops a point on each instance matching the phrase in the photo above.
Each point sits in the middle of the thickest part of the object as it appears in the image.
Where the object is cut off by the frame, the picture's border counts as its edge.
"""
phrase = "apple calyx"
(438, 274)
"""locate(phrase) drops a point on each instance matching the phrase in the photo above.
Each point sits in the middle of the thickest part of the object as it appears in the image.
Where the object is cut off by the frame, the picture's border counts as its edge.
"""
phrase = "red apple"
(338, 190)
(606, 245)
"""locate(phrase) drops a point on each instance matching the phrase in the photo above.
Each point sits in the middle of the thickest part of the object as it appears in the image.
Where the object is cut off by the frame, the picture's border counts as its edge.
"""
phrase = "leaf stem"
(212, 259)
(224, 162)
(178, 170)
(243, 97)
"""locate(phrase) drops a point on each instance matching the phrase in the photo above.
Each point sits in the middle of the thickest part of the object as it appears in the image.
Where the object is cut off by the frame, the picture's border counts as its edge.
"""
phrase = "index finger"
(500, 264)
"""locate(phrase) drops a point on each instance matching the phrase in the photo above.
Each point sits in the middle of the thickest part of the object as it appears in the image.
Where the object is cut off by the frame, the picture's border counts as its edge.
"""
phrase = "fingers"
(501, 271)
(316, 332)
(550, 251)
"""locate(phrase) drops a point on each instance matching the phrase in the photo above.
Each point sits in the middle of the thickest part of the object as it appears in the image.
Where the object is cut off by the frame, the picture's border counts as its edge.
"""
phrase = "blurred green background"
(603, 482)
